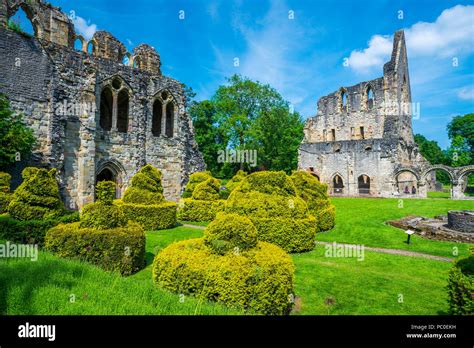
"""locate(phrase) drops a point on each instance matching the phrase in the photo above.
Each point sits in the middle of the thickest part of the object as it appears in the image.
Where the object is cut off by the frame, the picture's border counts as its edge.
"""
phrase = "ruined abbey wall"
(95, 115)
(362, 134)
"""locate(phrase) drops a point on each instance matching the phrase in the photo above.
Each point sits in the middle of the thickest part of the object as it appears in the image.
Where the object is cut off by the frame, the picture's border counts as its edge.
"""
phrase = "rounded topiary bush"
(37, 197)
(120, 249)
(103, 214)
(5, 195)
(144, 202)
(316, 197)
(232, 184)
(230, 266)
(461, 287)
(270, 201)
(194, 180)
(205, 202)
(230, 232)
(207, 190)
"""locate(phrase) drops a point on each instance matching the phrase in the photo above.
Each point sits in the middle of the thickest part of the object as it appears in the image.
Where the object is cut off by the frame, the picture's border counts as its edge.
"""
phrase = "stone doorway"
(337, 185)
(110, 172)
(363, 183)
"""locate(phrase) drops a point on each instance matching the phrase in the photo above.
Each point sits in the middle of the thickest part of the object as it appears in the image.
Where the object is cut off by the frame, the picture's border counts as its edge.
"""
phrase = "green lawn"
(439, 194)
(372, 286)
(362, 221)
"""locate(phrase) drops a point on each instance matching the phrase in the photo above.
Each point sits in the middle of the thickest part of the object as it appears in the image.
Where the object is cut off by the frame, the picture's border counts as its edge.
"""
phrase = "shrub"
(236, 179)
(144, 202)
(105, 191)
(5, 179)
(230, 232)
(258, 276)
(461, 287)
(269, 200)
(195, 179)
(37, 197)
(197, 210)
(5, 199)
(99, 215)
(119, 249)
(151, 217)
(207, 190)
(31, 231)
(315, 195)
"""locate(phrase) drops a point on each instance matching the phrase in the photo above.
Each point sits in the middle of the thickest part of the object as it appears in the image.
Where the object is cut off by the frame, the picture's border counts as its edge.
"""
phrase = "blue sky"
(302, 57)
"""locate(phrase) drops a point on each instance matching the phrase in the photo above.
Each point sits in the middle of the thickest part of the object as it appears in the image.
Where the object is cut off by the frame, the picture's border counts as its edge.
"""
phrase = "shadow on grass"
(29, 276)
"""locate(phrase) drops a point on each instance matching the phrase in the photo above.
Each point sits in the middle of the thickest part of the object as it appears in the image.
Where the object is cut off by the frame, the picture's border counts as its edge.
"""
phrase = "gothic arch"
(31, 14)
(164, 113)
(117, 174)
(442, 167)
(465, 171)
(411, 170)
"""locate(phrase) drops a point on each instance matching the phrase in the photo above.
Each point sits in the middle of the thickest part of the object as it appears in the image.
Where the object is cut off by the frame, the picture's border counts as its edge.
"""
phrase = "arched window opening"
(21, 23)
(337, 185)
(91, 48)
(439, 184)
(106, 107)
(157, 118)
(126, 59)
(122, 111)
(363, 183)
(137, 63)
(78, 44)
(169, 119)
(370, 98)
(343, 101)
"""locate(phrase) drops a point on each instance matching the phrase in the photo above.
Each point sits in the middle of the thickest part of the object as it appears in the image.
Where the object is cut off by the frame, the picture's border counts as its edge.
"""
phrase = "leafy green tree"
(208, 133)
(459, 152)
(463, 126)
(247, 115)
(278, 134)
(15, 137)
(431, 150)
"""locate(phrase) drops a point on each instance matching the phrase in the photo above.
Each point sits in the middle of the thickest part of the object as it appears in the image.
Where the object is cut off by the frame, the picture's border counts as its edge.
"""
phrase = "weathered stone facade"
(361, 140)
(96, 115)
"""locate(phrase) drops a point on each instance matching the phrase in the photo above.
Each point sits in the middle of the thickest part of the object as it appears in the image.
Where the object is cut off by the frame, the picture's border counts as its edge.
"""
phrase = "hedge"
(270, 200)
(37, 197)
(194, 180)
(461, 287)
(314, 193)
(31, 231)
(144, 202)
(197, 210)
(207, 190)
(255, 276)
(151, 217)
(232, 184)
(120, 249)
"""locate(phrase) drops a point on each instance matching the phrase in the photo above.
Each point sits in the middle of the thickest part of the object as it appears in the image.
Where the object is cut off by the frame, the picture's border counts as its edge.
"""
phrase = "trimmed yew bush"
(230, 266)
(461, 287)
(120, 249)
(281, 217)
(103, 214)
(204, 204)
(144, 202)
(37, 197)
(194, 180)
(5, 195)
(316, 197)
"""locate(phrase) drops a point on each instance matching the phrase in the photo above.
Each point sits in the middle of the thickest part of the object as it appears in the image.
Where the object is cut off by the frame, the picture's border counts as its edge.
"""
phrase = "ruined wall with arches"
(362, 133)
(92, 104)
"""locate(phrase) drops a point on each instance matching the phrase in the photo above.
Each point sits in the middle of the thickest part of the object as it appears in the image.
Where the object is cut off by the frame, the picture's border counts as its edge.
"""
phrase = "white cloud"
(466, 93)
(375, 55)
(84, 27)
(451, 34)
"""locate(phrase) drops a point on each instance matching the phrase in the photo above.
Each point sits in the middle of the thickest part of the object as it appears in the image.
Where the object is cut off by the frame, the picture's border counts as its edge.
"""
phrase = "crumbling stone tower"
(100, 112)
(362, 135)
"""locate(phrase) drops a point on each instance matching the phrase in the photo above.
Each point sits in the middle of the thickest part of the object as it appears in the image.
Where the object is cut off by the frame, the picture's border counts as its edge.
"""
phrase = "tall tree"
(15, 137)
(463, 126)
(431, 150)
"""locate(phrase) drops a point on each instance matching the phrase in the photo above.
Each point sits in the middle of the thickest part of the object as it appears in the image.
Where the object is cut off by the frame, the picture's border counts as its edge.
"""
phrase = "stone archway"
(337, 184)
(111, 171)
(430, 179)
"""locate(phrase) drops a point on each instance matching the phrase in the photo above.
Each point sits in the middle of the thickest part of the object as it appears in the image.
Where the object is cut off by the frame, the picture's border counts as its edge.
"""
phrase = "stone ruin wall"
(39, 74)
(373, 135)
